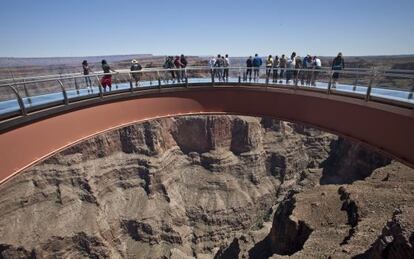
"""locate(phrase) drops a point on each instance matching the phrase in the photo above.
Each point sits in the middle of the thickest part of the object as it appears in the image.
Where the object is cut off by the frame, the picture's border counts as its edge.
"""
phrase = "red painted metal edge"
(385, 127)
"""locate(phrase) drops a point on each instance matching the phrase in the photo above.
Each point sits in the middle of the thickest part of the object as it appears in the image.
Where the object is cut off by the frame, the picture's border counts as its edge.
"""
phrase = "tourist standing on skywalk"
(169, 64)
(282, 65)
(269, 65)
(226, 67)
(257, 63)
(135, 66)
(178, 65)
(290, 64)
(211, 64)
(308, 64)
(317, 65)
(337, 64)
(298, 72)
(86, 71)
(249, 65)
(184, 64)
(106, 79)
(219, 65)
(276, 64)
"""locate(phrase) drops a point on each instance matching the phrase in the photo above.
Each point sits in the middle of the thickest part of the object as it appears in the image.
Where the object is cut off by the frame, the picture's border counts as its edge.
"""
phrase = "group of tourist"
(288, 67)
(220, 67)
(305, 71)
(179, 62)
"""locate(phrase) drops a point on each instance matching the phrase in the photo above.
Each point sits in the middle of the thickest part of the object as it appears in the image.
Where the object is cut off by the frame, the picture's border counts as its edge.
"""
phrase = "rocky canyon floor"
(210, 187)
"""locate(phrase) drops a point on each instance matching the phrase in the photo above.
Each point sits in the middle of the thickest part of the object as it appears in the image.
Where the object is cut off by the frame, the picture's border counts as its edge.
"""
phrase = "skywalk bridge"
(40, 116)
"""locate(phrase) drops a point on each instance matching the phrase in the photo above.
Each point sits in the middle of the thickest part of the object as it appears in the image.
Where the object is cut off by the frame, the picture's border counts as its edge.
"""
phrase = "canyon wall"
(205, 187)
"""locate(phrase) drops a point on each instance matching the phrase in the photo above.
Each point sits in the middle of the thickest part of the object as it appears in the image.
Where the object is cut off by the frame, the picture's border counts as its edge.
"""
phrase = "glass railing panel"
(199, 75)
(39, 93)
(353, 82)
(8, 100)
(394, 86)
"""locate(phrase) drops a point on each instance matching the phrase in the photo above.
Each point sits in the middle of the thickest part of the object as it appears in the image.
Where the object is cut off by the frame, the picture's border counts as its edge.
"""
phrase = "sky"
(48, 28)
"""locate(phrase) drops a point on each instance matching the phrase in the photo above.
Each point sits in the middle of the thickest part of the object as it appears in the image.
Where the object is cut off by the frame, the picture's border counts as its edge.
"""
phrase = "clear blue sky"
(39, 28)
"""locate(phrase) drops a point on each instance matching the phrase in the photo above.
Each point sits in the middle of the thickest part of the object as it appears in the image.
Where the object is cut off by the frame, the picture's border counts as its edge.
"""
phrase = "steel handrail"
(80, 74)
(207, 70)
(372, 75)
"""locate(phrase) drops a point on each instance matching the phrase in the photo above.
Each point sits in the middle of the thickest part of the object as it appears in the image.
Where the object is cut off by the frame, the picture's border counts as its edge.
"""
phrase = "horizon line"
(190, 55)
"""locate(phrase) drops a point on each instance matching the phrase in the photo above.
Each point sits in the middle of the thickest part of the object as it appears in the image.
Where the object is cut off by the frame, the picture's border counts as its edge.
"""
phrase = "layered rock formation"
(199, 187)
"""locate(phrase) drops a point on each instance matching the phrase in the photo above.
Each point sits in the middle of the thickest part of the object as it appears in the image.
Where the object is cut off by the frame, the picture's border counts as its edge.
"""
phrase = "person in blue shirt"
(257, 62)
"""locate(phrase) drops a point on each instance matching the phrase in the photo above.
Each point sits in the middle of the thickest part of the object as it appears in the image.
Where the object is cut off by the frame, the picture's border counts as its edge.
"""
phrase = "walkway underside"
(385, 127)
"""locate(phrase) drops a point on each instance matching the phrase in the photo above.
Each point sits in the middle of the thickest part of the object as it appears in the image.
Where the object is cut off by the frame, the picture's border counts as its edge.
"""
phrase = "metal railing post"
(76, 85)
(26, 92)
(159, 79)
(116, 79)
(19, 101)
(65, 96)
(410, 95)
(212, 76)
(186, 77)
(131, 86)
(330, 81)
(99, 86)
(296, 78)
(356, 82)
(369, 89)
(267, 77)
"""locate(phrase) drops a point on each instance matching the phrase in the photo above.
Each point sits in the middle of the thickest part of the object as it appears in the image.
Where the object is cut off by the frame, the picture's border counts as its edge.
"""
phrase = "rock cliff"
(202, 187)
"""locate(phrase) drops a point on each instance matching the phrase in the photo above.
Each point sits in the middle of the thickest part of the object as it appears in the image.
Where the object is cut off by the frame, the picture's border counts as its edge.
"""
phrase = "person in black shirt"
(169, 64)
(86, 71)
(337, 64)
(219, 67)
(184, 64)
(136, 67)
(107, 78)
(249, 65)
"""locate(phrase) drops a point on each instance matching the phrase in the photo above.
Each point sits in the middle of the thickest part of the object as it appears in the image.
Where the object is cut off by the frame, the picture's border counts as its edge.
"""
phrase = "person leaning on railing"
(135, 66)
(316, 65)
(337, 64)
(107, 78)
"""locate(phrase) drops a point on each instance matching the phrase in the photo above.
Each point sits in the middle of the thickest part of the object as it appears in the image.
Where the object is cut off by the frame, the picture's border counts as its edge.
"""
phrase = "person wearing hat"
(135, 66)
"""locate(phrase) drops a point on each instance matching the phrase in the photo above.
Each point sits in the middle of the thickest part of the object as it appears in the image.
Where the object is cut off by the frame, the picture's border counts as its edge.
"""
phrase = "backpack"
(136, 67)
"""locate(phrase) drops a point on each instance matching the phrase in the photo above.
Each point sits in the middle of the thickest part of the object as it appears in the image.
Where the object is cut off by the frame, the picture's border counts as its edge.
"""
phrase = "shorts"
(106, 81)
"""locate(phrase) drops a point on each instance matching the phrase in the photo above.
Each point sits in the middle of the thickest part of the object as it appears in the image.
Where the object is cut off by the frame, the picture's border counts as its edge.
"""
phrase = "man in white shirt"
(211, 64)
(317, 64)
(226, 68)
(291, 63)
